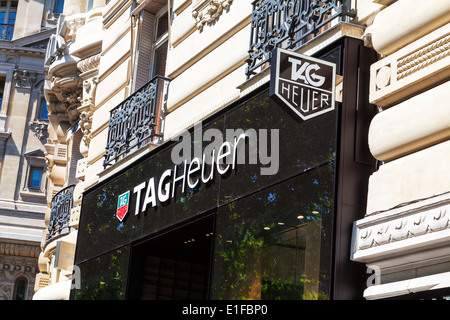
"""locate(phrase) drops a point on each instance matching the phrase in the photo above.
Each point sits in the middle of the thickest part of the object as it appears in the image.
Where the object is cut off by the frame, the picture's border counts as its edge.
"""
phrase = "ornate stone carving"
(71, 101)
(68, 91)
(407, 226)
(207, 11)
(85, 126)
(19, 250)
(72, 26)
(81, 169)
(423, 57)
(418, 66)
(24, 79)
(90, 63)
(74, 217)
(39, 128)
(88, 68)
(86, 108)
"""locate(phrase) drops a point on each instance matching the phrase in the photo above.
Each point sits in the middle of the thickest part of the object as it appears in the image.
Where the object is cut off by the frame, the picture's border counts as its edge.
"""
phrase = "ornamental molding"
(424, 57)
(89, 63)
(21, 250)
(24, 78)
(407, 227)
(207, 11)
(414, 68)
(402, 228)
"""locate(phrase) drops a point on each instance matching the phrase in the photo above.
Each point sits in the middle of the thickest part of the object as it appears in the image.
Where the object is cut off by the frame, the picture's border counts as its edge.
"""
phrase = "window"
(35, 180)
(20, 290)
(89, 5)
(2, 87)
(44, 111)
(158, 67)
(153, 43)
(59, 6)
(8, 10)
(12, 18)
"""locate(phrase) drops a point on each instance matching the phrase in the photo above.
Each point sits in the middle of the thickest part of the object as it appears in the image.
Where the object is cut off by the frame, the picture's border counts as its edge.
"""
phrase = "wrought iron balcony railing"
(288, 24)
(137, 121)
(6, 31)
(62, 203)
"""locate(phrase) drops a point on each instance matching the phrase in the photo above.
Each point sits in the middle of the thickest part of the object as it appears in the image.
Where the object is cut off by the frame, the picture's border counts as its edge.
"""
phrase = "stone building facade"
(192, 59)
(25, 29)
(403, 236)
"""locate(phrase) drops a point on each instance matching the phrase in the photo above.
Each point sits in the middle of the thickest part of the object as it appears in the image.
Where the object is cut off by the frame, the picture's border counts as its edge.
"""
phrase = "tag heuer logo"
(305, 85)
(122, 205)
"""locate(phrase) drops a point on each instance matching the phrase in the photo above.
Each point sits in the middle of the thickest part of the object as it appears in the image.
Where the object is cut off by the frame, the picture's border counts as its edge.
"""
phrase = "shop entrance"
(174, 265)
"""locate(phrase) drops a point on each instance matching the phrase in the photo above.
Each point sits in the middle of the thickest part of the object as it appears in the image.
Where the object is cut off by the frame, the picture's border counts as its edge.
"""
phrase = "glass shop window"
(276, 244)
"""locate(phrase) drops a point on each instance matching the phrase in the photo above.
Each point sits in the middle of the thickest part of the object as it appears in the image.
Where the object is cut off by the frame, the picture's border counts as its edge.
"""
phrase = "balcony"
(137, 121)
(61, 206)
(288, 24)
(6, 31)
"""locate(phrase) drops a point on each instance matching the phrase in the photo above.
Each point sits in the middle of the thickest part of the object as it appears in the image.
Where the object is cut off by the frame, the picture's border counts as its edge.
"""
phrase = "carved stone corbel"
(207, 11)
(68, 91)
(71, 101)
(88, 67)
(39, 128)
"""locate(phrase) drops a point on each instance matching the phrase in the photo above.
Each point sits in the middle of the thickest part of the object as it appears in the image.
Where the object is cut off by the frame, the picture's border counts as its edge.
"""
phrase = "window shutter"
(144, 49)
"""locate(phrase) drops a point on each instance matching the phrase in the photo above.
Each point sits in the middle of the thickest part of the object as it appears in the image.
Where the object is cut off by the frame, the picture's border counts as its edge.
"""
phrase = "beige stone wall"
(23, 133)
(405, 229)
(210, 57)
(72, 76)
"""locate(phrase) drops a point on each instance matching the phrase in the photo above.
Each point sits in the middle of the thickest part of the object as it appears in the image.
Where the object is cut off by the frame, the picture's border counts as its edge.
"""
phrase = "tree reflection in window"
(276, 244)
(105, 277)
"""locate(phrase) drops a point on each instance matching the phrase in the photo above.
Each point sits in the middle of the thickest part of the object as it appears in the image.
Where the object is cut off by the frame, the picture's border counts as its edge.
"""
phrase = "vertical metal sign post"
(305, 85)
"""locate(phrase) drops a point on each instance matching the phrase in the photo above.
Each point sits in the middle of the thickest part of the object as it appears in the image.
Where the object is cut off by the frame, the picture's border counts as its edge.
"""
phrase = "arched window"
(20, 289)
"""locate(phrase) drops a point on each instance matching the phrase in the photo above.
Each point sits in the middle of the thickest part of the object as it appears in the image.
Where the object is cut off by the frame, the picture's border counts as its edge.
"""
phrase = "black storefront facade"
(240, 234)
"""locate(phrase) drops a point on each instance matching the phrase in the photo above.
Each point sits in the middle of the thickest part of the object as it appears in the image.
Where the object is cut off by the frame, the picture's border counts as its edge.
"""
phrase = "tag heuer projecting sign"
(305, 85)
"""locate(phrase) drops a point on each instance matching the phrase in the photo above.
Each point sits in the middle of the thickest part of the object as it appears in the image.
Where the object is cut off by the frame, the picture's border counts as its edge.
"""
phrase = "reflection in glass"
(273, 232)
(302, 145)
(275, 244)
(21, 289)
(104, 278)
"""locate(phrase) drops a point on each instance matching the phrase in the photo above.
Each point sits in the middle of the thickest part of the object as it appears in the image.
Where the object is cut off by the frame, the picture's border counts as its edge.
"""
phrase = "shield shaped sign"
(122, 205)
(305, 85)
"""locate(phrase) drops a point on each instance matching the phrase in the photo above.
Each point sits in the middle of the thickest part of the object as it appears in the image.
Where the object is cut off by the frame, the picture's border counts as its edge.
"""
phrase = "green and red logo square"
(122, 205)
